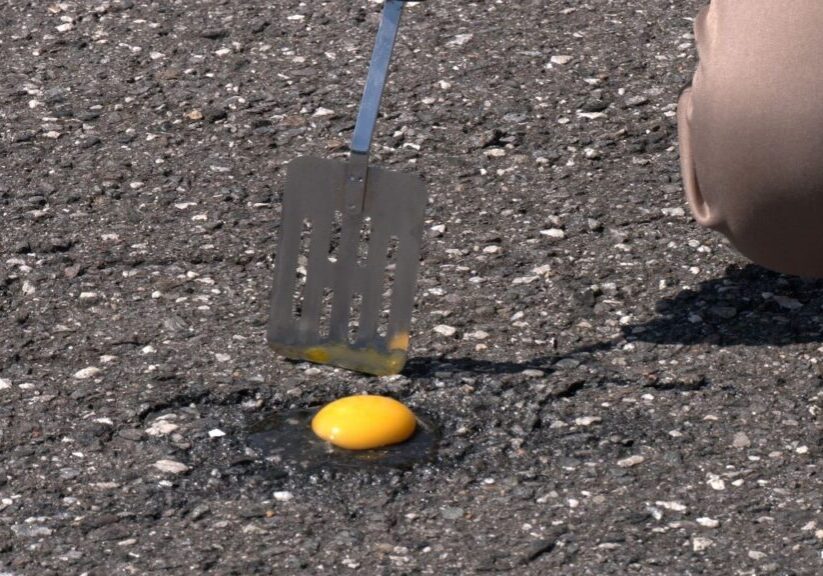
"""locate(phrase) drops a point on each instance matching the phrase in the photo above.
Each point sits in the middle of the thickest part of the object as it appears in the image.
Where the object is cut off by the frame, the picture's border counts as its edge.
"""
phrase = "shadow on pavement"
(425, 366)
(747, 306)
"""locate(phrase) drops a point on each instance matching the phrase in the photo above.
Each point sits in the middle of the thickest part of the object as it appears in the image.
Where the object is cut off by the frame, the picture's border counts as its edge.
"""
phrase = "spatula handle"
(378, 72)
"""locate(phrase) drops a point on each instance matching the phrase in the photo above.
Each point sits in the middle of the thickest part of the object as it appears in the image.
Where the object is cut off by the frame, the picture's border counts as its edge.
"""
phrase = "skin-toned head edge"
(784, 247)
(750, 130)
(702, 212)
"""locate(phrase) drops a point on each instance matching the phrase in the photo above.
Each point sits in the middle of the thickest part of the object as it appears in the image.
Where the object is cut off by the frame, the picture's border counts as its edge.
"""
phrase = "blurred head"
(751, 133)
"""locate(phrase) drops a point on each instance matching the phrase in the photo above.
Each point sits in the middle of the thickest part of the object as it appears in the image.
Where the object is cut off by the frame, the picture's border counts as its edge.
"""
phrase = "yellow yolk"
(364, 422)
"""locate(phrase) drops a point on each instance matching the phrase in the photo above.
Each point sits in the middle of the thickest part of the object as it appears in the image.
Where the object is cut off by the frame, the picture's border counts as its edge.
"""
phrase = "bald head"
(751, 130)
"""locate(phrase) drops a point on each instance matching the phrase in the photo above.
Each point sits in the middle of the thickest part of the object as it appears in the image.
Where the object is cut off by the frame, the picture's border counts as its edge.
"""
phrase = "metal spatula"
(349, 247)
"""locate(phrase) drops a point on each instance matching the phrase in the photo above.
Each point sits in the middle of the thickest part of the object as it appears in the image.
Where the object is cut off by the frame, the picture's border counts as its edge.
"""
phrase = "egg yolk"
(364, 422)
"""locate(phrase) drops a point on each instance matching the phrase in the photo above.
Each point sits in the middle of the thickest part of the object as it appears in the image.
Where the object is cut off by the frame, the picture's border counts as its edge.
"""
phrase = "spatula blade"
(345, 282)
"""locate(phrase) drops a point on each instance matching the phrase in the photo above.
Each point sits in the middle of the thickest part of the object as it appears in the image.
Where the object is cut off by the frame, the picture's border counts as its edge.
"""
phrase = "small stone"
(86, 373)
(71, 271)
(567, 363)
(283, 496)
(214, 33)
(678, 211)
(131, 434)
(199, 511)
(478, 335)
(700, 543)
(561, 59)
(216, 433)
(515, 117)
(587, 420)
(320, 112)
(5, 384)
(494, 152)
(708, 522)
(631, 461)
(636, 101)
(716, 482)
(194, 115)
(524, 280)
(756, 555)
(171, 467)
(445, 330)
(673, 506)
(31, 530)
(451, 513)
(460, 40)
(161, 428)
(593, 116)
(740, 440)
(553, 233)
(594, 225)
(537, 548)
(788, 303)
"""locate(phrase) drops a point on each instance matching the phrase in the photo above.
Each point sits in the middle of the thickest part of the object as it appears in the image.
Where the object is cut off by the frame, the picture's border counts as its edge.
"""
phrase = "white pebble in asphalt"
(171, 466)
(631, 461)
(716, 482)
(445, 330)
(161, 428)
(86, 373)
(699, 543)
